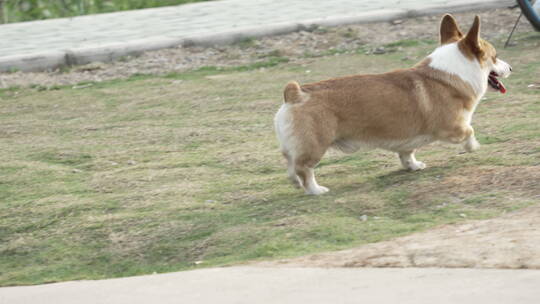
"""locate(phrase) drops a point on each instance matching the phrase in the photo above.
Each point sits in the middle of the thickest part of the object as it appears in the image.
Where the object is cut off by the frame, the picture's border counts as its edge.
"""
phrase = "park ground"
(30, 10)
(108, 171)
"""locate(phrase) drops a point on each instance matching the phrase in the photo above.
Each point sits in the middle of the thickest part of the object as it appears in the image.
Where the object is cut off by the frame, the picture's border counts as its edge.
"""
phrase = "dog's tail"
(293, 93)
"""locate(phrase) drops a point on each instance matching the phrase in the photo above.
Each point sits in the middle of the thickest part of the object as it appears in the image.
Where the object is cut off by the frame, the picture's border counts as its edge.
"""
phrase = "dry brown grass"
(152, 174)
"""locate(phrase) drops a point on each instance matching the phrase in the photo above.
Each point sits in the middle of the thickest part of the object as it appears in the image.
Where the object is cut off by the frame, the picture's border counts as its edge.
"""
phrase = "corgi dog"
(399, 111)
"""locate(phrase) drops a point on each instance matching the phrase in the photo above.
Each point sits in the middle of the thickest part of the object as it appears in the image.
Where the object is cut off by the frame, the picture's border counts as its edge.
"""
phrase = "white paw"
(317, 190)
(417, 166)
(472, 145)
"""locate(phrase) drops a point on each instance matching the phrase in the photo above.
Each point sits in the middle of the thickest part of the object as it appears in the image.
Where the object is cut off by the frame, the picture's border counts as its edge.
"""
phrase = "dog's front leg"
(409, 162)
(471, 144)
(462, 134)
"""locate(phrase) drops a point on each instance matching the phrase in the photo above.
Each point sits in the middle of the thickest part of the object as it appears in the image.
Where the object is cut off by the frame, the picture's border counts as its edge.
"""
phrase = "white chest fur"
(448, 58)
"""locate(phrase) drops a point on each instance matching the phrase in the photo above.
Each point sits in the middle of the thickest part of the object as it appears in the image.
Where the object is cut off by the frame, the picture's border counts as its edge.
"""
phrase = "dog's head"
(476, 49)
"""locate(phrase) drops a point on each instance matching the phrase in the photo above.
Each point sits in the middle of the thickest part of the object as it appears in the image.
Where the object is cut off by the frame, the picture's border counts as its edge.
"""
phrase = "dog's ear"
(449, 30)
(473, 36)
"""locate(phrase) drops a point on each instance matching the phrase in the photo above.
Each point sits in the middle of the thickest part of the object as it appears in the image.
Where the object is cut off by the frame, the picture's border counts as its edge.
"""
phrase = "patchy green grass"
(157, 174)
(28, 10)
(410, 43)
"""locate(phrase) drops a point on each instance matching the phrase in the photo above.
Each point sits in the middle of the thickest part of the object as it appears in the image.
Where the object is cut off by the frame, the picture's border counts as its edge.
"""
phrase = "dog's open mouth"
(495, 83)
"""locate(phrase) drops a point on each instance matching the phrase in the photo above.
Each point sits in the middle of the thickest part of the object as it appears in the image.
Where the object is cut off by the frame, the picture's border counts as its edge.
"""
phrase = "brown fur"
(293, 93)
(383, 110)
(360, 107)
(449, 31)
(473, 46)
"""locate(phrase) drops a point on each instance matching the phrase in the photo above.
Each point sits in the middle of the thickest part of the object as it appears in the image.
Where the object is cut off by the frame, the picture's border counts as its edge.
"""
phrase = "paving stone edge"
(51, 60)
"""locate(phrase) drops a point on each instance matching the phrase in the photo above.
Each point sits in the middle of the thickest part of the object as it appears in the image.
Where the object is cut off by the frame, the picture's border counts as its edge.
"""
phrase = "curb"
(105, 53)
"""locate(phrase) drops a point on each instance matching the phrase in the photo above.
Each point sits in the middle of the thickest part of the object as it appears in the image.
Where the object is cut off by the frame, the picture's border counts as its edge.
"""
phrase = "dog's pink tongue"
(502, 89)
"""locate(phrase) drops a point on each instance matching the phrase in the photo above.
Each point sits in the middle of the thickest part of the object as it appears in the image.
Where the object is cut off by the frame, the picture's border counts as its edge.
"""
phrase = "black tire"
(530, 13)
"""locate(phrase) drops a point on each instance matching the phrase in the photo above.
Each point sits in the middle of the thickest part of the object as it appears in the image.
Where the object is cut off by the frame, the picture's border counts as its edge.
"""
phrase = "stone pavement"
(294, 285)
(48, 44)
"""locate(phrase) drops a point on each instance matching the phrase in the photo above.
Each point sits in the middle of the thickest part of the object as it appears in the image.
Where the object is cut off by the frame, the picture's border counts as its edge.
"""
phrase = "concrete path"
(294, 285)
(52, 43)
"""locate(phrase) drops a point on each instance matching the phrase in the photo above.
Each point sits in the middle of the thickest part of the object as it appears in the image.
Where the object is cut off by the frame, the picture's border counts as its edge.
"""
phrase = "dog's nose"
(510, 67)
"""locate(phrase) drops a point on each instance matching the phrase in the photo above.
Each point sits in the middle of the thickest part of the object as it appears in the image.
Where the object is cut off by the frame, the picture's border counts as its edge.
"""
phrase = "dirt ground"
(510, 241)
(297, 47)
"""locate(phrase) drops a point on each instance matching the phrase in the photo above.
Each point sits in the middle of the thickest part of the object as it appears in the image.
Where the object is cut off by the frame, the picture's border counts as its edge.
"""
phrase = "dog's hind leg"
(291, 170)
(284, 129)
(304, 169)
(304, 141)
(309, 183)
(409, 162)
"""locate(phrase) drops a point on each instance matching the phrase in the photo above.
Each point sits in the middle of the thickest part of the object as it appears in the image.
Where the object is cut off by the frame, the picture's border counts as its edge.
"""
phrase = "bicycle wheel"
(531, 10)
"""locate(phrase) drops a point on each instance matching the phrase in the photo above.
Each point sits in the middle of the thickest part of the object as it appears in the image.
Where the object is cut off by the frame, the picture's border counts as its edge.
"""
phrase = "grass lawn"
(165, 173)
(28, 10)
